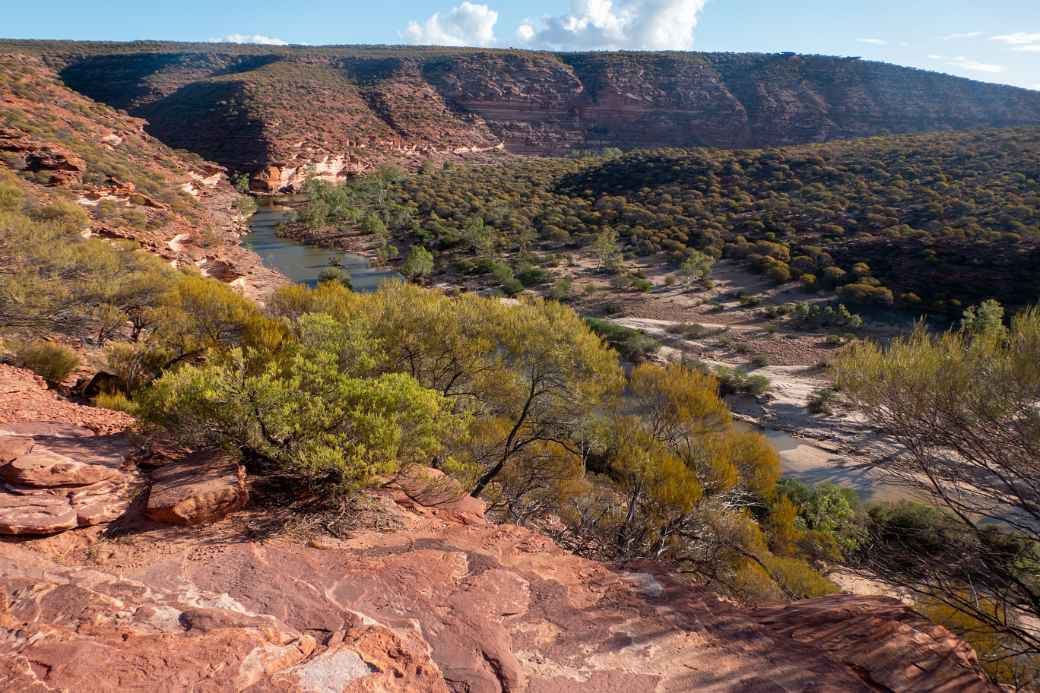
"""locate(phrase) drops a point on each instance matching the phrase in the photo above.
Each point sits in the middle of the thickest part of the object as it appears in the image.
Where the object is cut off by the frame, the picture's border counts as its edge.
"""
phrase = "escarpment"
(284, 114)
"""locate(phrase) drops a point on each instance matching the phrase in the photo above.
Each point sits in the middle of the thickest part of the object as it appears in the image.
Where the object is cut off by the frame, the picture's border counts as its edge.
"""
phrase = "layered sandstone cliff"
(285, 114)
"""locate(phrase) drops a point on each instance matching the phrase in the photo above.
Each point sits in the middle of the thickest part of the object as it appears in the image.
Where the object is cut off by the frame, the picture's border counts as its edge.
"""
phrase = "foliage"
(632, 345)
(418, 264)
(52, 362)
(696, 266)
(834, 212)
(304, 414)
(962, 407)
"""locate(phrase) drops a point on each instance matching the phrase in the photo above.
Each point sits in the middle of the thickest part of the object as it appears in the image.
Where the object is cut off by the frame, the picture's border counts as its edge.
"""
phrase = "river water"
(304, 263)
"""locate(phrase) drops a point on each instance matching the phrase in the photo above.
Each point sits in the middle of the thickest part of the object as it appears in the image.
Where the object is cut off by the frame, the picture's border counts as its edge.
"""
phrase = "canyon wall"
(283, 114)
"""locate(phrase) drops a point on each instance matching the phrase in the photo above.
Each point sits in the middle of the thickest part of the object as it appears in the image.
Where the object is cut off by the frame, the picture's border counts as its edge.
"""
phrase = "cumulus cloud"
(1031, 48)
(1019, 38)
(968, 64)
(624, 24)
(962, 35)
(251, 38)
(467, 24)
(873, 41)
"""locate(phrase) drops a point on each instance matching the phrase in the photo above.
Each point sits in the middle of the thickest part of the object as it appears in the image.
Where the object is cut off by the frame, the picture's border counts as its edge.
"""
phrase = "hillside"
(64, 148)
(284, 113)
(931, 223)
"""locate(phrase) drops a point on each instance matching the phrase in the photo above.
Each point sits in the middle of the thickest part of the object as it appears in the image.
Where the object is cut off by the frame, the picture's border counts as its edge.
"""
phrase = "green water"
(304, 263)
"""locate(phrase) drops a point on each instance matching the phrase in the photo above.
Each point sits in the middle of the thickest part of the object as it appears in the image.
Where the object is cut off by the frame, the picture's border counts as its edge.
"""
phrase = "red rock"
(13, 447)
(67, 477)
(44, 467)
(35, 513)
(438, 605)
(203, 487)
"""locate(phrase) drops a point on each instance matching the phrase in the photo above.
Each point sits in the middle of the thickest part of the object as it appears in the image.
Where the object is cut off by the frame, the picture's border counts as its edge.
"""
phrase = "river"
(304, 263)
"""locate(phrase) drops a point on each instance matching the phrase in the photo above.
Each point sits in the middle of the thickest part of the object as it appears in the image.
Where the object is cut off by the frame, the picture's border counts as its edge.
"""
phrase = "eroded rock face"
(203, 487)
(54, 477)
(292, 113)
(62, 166)
(444, 602)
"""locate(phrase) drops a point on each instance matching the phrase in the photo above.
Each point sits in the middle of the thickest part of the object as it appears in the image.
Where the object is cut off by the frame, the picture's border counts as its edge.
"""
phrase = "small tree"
(419, 263)
(608, 250)
(696, 267)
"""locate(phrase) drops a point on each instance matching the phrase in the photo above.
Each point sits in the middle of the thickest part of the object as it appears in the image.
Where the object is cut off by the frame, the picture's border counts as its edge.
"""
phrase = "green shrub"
(632, 345)
(50, 361)
(116, 401)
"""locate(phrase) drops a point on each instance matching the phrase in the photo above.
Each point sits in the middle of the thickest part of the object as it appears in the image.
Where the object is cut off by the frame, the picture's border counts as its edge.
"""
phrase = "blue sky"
(997, 41)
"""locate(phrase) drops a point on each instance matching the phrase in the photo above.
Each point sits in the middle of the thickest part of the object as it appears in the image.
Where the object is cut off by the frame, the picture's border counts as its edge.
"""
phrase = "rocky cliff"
(66, 147)
(284, 114)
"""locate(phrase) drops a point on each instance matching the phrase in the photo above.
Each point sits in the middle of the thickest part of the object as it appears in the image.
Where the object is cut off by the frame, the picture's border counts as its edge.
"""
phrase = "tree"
(607, 249)
(696, 266)
(306, 419)
(535, 368)
(419, 263)
(985, 318)
(963, 408)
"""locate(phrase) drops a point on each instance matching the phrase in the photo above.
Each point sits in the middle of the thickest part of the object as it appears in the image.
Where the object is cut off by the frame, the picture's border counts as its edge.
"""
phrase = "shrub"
(50, 361)
(632, 345)
(736, 382)
(866, 294)
(820, 401)
(337, 275)
(419, 263)
(116, 401)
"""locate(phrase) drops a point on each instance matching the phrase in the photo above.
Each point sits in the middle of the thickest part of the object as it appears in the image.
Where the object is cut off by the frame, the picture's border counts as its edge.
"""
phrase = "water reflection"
(304, 263)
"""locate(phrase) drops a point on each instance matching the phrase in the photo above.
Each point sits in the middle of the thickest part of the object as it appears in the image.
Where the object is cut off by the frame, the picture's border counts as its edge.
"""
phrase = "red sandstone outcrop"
(445, 601)
(24, 397)
(203, 487)
(61, 165)
(55, 477)
(285, 114)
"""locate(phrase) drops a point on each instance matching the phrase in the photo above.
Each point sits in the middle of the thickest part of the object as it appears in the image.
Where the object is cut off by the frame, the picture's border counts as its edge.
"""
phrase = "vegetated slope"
(933, 222)
(341, 109)
(71, 150)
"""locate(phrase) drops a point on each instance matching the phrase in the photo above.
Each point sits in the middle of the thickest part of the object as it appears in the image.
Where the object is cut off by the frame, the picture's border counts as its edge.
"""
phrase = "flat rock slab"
(42, 467)
(203, 487)
(35, 513)
(13, 447)
(55, 477)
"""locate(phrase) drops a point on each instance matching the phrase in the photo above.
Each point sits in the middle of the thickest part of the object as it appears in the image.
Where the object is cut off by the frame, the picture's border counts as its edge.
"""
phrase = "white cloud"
(1031, 48)
(467, 24)
(962, 35)
(624, 24)
(251, 38)
(1019, 38)
(968, 64)
(873, 41)
(526, 31)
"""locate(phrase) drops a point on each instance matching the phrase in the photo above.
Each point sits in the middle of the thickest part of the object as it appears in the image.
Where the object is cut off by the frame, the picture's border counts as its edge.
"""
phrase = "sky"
(995, 41)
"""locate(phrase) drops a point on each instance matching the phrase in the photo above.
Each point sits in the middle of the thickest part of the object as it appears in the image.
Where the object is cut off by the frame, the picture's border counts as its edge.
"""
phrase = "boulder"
(431, 488)
(55, 477)
(203, 487)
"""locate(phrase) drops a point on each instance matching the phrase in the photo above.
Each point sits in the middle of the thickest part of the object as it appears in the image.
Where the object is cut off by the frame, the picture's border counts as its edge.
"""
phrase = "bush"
(116, 401)
(50, 361)
(866, 294)
(632, 345)
(736, 382)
